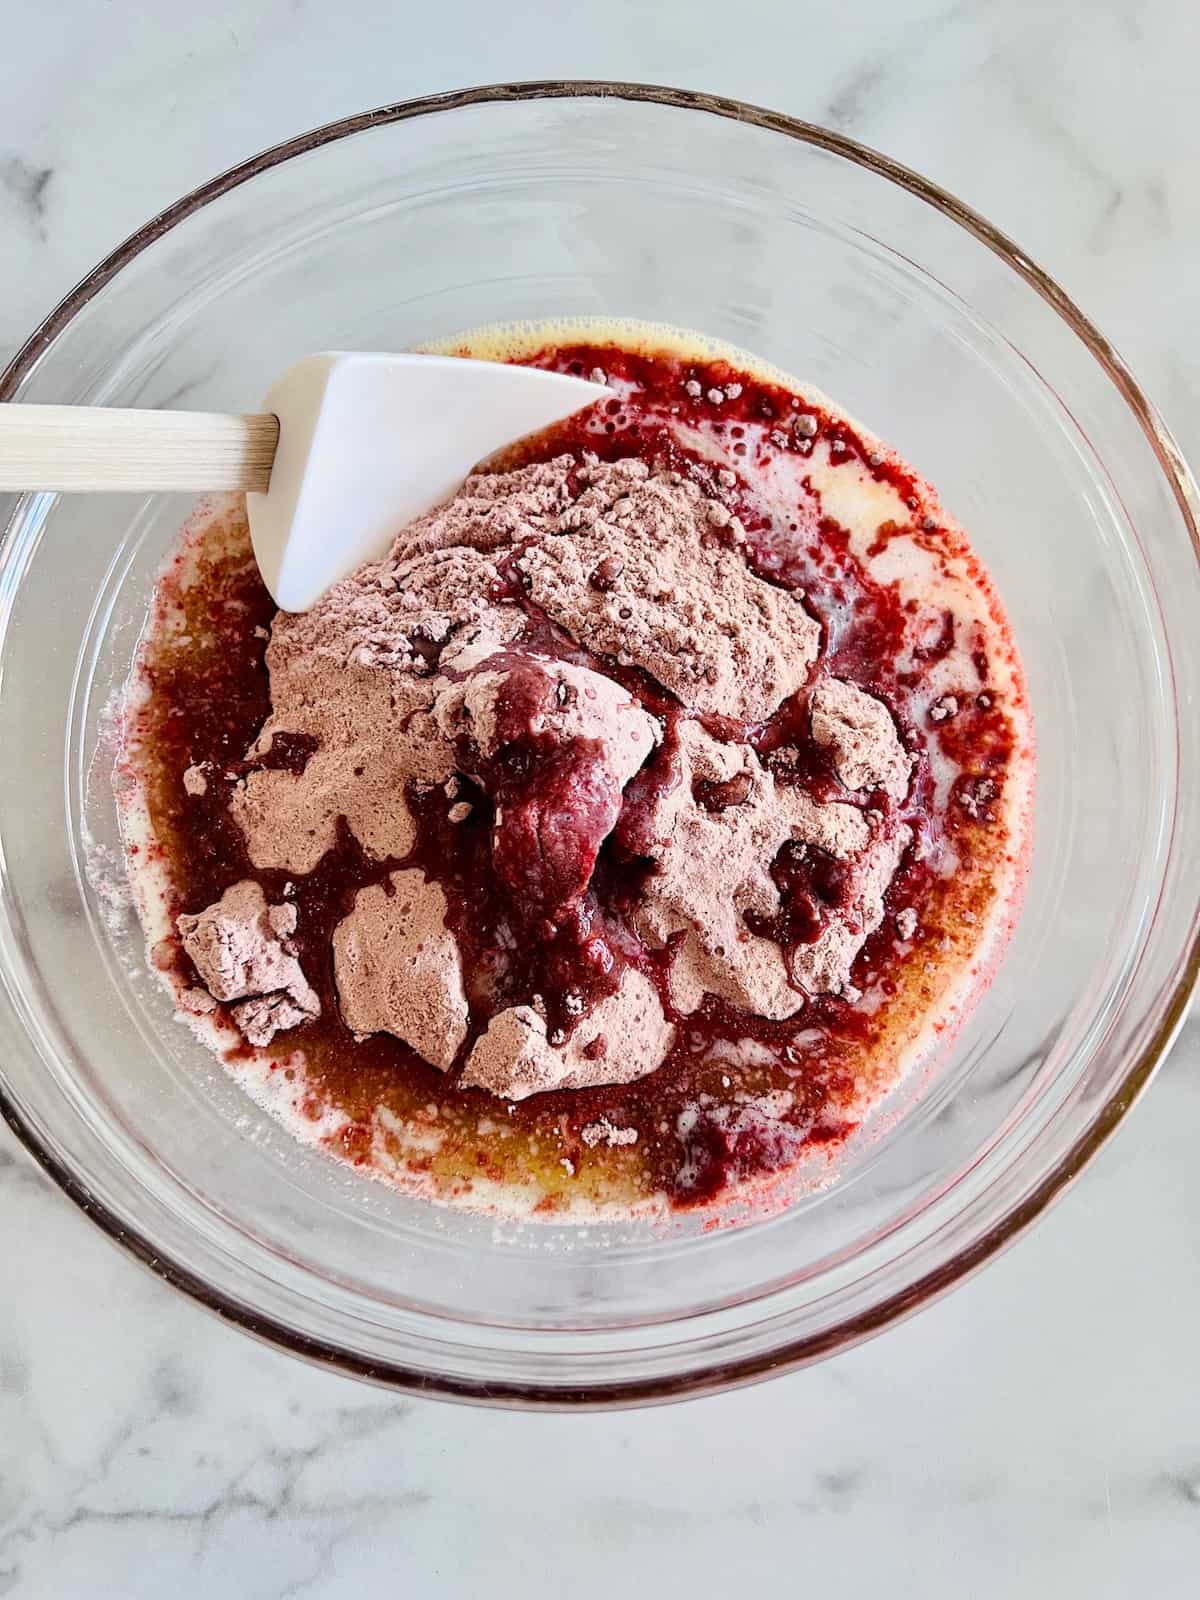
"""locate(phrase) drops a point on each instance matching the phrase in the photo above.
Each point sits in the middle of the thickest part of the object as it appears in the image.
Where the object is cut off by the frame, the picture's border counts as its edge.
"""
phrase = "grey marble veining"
(1038, 1432)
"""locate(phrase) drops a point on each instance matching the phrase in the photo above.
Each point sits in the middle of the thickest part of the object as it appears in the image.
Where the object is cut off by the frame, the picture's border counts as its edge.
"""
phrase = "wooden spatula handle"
(89, 448)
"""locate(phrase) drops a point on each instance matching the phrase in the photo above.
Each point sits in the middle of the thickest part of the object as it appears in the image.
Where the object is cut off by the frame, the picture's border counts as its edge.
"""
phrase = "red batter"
(543, 851)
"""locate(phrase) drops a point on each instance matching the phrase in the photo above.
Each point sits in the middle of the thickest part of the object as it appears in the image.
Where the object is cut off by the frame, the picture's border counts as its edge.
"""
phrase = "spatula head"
(367, 442)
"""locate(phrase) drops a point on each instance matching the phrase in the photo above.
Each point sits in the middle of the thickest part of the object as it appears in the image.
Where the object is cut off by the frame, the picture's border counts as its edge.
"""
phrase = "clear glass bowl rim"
(1140, 1070)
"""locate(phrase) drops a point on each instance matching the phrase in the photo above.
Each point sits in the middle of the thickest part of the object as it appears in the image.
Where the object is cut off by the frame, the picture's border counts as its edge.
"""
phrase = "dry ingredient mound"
(241, 951)
(570, 654)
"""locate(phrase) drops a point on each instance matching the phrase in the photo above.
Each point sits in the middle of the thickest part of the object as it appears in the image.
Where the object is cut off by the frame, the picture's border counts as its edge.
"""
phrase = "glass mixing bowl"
(409, 223)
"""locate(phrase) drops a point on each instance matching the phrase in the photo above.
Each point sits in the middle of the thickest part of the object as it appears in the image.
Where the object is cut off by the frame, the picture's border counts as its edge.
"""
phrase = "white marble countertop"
(1037, 1433)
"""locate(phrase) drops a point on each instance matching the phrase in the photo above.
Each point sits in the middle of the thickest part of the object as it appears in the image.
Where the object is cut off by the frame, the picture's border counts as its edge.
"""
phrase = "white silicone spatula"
(348, 448)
